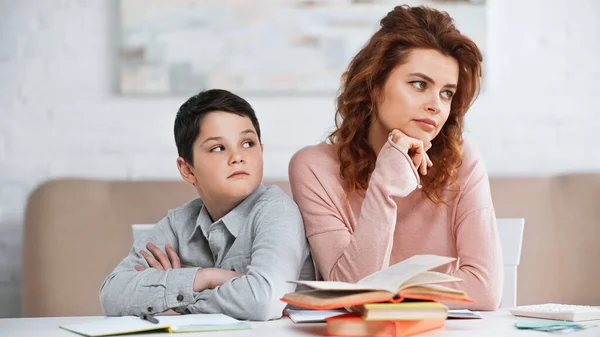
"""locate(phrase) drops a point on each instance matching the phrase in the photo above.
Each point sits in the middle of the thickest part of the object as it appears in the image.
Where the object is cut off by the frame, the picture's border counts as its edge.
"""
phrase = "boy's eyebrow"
(430, 80)
(212, 138)
(218, 138)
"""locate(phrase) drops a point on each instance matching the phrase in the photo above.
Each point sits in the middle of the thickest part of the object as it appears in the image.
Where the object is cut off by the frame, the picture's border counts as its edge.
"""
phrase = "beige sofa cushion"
(559, 259)
(62, 271)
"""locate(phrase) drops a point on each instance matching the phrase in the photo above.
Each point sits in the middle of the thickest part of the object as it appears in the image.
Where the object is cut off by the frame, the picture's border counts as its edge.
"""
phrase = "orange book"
(353, 325)
(409, 279)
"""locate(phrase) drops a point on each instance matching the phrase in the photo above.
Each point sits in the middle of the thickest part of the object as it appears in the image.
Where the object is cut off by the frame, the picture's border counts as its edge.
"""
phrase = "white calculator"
(563, 312)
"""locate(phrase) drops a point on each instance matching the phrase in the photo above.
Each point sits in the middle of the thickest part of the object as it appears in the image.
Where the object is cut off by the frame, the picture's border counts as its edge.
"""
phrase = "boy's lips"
(237, 174)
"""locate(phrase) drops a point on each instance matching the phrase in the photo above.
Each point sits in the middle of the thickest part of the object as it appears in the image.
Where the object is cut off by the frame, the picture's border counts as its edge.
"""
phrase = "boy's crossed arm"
(206, 278)
(278, 252)
(133, 288)
(127, 291)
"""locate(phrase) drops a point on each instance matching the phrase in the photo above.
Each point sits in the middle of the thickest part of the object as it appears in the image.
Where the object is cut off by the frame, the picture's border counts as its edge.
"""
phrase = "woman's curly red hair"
(402, 30)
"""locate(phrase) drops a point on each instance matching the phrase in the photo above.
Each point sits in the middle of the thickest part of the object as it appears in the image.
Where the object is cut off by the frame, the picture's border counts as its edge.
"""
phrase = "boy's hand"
(210, 278)
(158, 259)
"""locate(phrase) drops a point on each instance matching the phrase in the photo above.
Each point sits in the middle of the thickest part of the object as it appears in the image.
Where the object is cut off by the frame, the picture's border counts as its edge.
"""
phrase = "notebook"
(463, 314)
(110, 326)
(408, 279)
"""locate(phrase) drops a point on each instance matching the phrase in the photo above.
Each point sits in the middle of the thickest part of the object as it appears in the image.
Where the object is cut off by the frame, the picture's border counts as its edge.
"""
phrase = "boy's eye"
(418, 84)
(447, 94)
(217, 148)
(248, 144)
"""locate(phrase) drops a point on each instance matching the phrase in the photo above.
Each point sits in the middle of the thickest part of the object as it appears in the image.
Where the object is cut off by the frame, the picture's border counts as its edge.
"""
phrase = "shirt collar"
(203, 222)
(235, 219)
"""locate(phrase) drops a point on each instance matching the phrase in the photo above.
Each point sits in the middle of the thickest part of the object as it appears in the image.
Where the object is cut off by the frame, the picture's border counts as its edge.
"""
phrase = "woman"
(397, 179)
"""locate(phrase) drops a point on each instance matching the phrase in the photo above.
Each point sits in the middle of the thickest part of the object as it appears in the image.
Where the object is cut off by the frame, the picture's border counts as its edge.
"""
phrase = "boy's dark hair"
(190, 114)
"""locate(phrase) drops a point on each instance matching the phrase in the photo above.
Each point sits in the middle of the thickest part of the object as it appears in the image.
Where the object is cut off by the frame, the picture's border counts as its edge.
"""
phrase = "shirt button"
(180, 298)
(150, 309)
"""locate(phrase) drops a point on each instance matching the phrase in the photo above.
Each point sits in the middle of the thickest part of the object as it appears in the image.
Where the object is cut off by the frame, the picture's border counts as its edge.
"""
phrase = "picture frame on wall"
(270, 47)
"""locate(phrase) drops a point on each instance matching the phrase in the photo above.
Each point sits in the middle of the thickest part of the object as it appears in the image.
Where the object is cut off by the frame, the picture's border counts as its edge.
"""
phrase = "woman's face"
(417, 95)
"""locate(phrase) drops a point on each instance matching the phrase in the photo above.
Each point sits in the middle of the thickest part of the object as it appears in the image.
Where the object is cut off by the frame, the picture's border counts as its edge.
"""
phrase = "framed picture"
(265, 47)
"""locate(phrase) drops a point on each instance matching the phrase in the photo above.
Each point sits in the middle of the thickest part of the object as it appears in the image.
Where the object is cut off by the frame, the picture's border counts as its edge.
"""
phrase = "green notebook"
(111, 326)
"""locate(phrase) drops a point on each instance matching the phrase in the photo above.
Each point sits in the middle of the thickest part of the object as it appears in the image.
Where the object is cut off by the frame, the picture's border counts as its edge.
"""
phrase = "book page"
(312, 316)
(439, 287)
(392, 278)
(196, 319)
(429, 277)
(334, 285)
(113, 326)
(434, 291)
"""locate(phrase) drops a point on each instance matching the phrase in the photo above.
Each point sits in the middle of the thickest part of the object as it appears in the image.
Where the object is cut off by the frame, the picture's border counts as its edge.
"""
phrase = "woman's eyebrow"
(430, 80)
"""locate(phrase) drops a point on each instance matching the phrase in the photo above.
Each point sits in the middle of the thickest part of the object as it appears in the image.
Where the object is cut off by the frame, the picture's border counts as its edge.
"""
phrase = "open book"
(409, 279)
(110, 326)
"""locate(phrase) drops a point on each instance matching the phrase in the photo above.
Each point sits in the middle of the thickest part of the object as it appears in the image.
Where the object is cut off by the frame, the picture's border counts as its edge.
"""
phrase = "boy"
(230, 251)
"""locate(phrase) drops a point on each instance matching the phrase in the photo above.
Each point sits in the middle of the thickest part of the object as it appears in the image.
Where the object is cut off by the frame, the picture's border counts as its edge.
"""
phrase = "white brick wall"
(60, 115)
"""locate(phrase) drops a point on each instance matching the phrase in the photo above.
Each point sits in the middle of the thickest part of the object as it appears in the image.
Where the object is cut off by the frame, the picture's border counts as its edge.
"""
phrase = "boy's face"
(228, 161)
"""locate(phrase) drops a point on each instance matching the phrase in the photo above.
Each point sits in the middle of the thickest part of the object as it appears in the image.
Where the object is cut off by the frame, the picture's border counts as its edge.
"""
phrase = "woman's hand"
(158, 259)
(415, 148)
(210, 278)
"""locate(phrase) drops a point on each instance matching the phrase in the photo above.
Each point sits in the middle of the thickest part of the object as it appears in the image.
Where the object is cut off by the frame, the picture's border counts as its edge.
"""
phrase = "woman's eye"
(418, 84)
(248, 144)
(217, 148)
(447, 94)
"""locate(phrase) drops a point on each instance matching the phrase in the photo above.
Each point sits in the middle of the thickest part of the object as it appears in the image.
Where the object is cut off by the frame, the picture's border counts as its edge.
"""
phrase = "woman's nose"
(433, 105)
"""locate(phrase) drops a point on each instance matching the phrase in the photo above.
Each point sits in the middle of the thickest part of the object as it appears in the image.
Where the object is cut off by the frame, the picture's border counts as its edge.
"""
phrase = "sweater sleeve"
(477, 241)
(341, 252)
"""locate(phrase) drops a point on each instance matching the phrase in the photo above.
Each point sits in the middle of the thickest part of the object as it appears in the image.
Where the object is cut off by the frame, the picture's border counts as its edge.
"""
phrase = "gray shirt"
(263, 237)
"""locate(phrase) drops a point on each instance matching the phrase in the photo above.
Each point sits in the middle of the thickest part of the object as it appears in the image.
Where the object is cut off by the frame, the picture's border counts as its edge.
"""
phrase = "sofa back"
(76, 231)
(559, 258)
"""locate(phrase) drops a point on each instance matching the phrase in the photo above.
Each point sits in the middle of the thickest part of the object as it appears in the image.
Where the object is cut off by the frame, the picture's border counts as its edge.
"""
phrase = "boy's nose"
(237, 158)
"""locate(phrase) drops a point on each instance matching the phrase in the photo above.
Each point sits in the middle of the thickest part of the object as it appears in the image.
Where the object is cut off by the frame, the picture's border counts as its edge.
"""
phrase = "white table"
(498, 323)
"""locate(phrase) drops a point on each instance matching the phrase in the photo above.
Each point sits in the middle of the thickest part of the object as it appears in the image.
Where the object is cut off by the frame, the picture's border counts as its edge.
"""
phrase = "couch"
(77, 230)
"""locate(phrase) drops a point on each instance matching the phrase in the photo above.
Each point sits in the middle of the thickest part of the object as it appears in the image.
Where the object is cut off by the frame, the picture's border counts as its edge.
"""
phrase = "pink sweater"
(353, 237)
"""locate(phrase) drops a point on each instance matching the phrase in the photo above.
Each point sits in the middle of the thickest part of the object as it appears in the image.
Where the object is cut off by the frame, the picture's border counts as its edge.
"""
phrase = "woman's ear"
(185, 170)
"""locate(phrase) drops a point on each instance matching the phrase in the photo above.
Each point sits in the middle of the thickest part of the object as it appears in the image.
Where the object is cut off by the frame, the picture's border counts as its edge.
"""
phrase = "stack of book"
(402, 300)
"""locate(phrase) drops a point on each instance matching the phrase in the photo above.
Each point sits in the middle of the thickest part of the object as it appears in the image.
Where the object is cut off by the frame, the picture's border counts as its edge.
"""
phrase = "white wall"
(60, 114)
